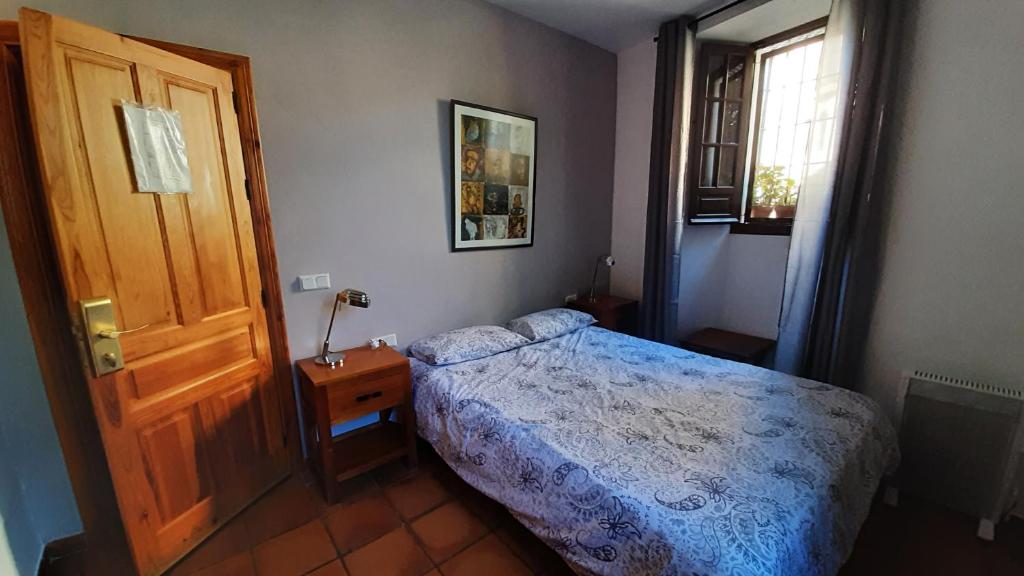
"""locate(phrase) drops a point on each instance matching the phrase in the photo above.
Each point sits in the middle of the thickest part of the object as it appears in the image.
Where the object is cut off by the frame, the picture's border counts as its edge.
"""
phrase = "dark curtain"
(674, 77)
(850, 261)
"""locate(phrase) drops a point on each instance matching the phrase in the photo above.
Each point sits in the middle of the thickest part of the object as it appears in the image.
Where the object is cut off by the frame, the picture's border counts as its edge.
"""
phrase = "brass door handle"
(114, 334)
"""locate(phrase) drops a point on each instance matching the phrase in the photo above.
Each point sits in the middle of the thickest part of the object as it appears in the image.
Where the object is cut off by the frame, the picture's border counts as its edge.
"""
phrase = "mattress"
(632, 457)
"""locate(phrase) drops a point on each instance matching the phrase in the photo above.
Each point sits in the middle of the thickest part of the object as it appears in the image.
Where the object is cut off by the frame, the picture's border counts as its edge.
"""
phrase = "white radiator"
(961, 443)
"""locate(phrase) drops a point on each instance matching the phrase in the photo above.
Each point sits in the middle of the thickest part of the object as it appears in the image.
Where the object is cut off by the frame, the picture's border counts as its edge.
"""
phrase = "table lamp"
(607, 261)
(349, 296)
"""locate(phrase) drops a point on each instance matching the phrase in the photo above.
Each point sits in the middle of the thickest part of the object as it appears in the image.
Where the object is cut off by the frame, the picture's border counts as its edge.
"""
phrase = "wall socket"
(389, 339)
(571, 297)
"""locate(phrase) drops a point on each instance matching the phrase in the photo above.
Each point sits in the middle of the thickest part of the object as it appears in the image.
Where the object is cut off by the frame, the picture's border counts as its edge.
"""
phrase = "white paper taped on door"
(157, 146)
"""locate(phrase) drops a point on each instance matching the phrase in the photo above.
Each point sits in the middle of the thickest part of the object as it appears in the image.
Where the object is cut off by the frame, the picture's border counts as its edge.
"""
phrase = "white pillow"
(465, 344)
(548, 324)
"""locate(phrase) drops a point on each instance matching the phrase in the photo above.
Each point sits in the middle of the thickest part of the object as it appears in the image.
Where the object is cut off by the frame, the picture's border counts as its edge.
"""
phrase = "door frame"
(38, 274)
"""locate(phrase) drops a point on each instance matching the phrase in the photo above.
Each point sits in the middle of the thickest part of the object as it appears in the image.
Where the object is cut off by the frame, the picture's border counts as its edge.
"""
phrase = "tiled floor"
(392, 522)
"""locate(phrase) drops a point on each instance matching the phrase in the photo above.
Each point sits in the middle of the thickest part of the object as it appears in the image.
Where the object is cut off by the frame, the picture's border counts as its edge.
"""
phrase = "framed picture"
(494, 155)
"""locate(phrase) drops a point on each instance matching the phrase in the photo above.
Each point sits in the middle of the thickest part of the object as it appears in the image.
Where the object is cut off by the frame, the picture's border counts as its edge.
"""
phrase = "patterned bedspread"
(631, 457)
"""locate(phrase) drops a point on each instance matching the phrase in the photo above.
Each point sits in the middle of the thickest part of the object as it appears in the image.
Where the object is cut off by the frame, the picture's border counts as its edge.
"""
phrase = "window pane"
(767, 145)
(813, 61)
(714, 112)
(807, 99)
(737, 68)
(731, 125)
(786, 142)
(707, 166)
(727, 166)
(716, 76)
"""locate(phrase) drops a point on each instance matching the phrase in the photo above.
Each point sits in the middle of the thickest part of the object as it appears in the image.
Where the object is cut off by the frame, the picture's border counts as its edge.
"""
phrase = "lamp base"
(331, 359)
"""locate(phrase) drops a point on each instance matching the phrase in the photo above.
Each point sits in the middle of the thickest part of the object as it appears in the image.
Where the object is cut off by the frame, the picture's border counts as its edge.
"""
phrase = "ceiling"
(765, 20)
(610, 24)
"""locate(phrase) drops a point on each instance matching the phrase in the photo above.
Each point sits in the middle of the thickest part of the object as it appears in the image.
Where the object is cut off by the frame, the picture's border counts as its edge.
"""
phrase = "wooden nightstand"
(611, 312)
(369, 381)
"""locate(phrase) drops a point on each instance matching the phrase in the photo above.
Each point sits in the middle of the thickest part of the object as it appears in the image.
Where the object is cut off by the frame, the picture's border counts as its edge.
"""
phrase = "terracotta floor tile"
(447, 530)
(393, 472)
(488, 556)
(295, 552)
(394, 554)
(230, 540)
(286, 506)
(349, 491)
(361, 522)
(487, 510)
(416, 495)
(333, 569)
(531, 550)
(238, 565)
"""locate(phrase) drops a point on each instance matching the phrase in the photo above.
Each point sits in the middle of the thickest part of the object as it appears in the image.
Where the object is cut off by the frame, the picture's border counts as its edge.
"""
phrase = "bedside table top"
(605, 302)
(358, 362)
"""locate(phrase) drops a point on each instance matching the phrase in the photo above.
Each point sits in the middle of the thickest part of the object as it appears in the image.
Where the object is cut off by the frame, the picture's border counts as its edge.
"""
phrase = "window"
(760, 97)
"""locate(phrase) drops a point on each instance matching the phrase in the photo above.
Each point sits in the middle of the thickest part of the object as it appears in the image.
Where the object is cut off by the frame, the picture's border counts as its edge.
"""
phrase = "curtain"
(670, 127)
(829, 268)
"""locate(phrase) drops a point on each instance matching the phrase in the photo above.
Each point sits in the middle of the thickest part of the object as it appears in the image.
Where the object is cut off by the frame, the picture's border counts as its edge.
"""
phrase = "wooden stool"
(729, 345)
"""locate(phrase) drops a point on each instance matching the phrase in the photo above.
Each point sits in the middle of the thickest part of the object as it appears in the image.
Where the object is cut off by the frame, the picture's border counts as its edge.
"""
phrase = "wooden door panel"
(114, 233)
(176, 463)
(237, 410)
(192, 425)
(214, 238)
(186, 365)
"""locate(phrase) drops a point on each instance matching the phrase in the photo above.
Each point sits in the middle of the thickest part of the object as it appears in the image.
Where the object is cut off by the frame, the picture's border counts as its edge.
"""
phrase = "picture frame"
(494, 168)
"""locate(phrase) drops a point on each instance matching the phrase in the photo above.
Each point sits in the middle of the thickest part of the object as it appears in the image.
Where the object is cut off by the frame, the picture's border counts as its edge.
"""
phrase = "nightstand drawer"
(367, 395)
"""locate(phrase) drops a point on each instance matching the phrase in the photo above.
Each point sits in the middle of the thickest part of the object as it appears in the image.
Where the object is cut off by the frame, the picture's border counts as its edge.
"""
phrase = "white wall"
(353, 103)
(731, 281)
(951, 295)
(754, 281)
(634, 112)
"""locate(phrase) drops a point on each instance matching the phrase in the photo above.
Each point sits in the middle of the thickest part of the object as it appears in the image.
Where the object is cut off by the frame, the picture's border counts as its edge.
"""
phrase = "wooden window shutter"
(718, 153)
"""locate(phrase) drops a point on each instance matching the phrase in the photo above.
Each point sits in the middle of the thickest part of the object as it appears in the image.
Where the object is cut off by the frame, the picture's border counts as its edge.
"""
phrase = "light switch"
(314, 282)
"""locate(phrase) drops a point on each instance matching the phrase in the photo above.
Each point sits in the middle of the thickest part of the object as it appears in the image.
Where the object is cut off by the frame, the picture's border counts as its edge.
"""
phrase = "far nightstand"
(369, 381)
(611, 312)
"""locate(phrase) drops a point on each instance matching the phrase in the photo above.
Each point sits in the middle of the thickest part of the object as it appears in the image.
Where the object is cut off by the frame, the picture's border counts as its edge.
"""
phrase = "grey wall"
(952, 279)
(36, 503)
(634, 114)
(353, 102)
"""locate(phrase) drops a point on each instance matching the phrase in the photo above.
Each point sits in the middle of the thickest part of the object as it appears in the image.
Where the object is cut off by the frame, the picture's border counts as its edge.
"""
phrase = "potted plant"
(775, 195)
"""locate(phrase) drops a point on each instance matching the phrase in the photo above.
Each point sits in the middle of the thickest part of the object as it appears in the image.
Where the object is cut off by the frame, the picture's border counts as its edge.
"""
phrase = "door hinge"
(234, 100)
(263, 297)
(248, 190)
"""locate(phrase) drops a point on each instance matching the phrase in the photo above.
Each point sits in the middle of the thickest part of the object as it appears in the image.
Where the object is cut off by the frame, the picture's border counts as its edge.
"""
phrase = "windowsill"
(763, 228)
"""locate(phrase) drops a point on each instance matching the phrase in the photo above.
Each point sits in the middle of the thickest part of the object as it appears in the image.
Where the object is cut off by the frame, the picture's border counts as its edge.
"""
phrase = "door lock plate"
(98, 318)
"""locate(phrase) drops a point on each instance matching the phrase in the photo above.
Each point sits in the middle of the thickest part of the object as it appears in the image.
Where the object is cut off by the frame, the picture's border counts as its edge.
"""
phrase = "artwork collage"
(495, 183)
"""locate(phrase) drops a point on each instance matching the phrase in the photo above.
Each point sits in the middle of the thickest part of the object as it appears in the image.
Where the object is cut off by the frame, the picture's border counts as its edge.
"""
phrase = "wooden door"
(191, 425)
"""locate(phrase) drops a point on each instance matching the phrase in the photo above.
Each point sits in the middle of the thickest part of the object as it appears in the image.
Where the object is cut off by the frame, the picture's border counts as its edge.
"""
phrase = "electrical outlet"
(571, 298)
(390, 340)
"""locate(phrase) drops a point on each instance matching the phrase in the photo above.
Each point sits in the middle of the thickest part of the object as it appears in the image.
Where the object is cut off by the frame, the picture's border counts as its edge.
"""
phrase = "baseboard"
(64, 557)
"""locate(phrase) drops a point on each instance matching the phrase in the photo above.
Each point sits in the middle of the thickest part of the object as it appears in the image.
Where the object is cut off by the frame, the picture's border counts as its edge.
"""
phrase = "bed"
(632, 457)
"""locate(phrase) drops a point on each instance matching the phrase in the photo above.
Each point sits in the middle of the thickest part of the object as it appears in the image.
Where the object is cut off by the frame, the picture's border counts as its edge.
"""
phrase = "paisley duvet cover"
(632, 457)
